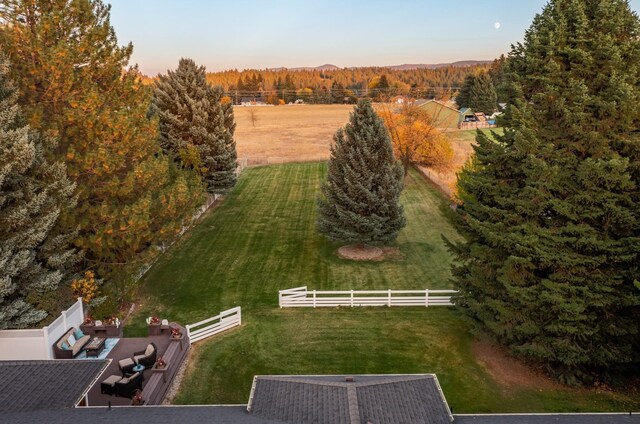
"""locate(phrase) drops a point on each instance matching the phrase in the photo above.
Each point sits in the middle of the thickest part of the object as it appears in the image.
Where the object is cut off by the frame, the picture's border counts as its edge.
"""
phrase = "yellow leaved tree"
(416, 138)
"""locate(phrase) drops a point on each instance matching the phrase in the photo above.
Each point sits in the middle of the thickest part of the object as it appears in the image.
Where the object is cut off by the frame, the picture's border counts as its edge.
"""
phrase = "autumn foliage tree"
(416, 139)
(75, 84)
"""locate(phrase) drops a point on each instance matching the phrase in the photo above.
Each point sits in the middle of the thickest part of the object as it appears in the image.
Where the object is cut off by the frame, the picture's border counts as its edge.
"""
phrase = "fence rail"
(300, 297)
(214, 325)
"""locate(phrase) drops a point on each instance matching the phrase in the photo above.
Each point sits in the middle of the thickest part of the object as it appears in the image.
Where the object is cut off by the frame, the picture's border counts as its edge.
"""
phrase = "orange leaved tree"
(416, 139)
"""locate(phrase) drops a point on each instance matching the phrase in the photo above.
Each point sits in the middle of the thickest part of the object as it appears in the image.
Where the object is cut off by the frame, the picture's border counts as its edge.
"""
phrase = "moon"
(496, 25)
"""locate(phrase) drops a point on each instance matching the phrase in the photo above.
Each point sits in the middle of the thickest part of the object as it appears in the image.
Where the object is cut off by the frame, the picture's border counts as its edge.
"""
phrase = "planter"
(162, 370)
(102, 330)
(153, 329)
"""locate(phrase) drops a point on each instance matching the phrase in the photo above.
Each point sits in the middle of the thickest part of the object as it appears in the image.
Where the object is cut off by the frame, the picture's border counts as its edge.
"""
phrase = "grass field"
(298, 133)
(262, 238)
(288, 133)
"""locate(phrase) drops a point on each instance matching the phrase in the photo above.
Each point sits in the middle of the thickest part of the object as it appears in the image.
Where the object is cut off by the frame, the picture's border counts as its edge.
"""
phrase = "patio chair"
(146, 357)
(127, 385)
(126, 366)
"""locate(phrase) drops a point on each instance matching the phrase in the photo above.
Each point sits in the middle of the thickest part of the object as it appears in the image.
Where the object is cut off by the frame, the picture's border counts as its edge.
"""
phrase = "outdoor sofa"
(67, 347)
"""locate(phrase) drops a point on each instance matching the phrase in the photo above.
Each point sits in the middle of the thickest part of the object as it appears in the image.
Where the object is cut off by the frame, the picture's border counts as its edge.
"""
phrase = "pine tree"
(74, 84)
(551, 209)
(478, 93)
(34, 260)
(361, 195)
(196, 126)
(483, 95)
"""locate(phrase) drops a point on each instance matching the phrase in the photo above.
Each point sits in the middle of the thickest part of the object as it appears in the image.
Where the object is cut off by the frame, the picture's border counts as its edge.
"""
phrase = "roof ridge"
(352, 404)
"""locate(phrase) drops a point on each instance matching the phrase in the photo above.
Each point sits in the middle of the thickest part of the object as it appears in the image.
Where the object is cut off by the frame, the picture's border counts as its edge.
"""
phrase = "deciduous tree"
(416, 139)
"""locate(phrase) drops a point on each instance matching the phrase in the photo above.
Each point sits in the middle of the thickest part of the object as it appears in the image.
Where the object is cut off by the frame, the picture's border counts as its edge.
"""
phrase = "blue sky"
(272, 33)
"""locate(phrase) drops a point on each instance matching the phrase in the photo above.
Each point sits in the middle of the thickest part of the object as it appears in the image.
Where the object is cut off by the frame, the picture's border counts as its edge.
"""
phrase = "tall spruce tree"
(551, 208)
(33, 192)
(75, 84)
(195, 126)
(364, 182)
(478, 93)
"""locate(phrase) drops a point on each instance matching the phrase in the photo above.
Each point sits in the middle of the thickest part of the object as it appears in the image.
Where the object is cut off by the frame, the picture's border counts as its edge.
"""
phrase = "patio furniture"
(107, 386)
(127, 385)
(138, 368)
(68, 346)
(126, 365)
(95, 346)
(146, 357)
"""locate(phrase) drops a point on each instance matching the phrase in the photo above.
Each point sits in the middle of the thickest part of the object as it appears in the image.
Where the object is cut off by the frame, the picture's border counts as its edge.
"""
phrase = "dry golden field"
(288, 133)
(297, 133)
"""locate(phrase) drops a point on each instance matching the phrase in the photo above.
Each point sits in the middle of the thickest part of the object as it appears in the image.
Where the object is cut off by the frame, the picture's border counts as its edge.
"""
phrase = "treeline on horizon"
(338, 85)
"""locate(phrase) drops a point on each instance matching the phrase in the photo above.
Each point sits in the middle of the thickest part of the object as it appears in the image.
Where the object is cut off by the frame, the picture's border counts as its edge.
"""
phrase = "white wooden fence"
(38, 343)
(214, 325)
(300, 297)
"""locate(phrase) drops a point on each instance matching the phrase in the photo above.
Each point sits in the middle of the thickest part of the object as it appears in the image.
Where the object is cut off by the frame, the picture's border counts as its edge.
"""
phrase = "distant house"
(248, 101)
(447, 116)
(444, 116)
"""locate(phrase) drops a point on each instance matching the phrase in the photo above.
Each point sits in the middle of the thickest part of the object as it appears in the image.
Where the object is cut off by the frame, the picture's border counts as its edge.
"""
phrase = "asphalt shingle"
(30, 385)
(377, 399)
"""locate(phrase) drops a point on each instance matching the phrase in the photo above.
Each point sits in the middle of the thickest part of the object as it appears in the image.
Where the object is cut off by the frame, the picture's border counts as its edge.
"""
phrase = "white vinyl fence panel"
(300, 297)
(214, 325)
(38, 343)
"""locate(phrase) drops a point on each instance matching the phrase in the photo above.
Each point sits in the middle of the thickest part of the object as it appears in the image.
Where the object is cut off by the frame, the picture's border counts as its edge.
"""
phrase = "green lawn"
(261, 239)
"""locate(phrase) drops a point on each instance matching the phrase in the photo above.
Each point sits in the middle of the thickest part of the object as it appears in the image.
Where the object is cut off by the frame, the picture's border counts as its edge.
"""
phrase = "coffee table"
(94, 347)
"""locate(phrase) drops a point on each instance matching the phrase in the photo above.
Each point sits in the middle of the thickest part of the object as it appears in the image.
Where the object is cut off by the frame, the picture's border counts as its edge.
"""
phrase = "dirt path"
(508, 371)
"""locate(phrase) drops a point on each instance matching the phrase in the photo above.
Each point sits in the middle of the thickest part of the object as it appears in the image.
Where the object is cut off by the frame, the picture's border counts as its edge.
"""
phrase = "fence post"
(426, 298)
(352, 298)
(389, 305)
(280, 299)
(45, 339)
(239, 316)
(188, 328)
(314, 298)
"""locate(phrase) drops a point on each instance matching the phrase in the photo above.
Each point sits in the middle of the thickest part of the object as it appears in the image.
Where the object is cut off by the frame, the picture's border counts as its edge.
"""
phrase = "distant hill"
(404, 67)
(461, 63)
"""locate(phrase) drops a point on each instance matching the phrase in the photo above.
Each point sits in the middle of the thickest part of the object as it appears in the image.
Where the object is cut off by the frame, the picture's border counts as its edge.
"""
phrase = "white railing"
(226, 320)
(38, 343)
(300, 297)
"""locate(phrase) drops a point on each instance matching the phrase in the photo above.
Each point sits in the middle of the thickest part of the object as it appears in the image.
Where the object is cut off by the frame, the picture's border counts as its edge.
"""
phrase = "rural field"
(262, 238)
(301, 133)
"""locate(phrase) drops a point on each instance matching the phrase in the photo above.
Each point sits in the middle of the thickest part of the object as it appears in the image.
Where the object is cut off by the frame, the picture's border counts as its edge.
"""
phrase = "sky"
(258, 34)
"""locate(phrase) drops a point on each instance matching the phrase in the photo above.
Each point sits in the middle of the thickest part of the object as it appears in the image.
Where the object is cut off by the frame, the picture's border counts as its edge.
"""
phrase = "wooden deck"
(156, 383)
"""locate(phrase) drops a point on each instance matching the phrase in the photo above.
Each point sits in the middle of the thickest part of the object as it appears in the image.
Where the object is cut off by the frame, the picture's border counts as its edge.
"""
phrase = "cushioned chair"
(146, 357)
(126, 365)
(108, 385)
(127, 385)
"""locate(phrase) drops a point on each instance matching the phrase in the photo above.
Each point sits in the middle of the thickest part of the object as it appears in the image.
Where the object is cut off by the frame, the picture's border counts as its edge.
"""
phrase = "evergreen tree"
(33, 192)
(483, 95)
(478, 93)
(361, 195)
(463, 98)
(551, 209)
(195, 125)
(74, 84)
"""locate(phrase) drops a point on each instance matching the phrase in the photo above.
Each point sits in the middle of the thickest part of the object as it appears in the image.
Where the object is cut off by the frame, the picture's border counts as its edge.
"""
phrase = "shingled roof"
(31, 385)
(376, 399)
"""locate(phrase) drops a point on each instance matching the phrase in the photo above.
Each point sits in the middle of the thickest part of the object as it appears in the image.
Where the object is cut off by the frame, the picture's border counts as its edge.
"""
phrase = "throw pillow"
(65, 346)
(71, 339)
(78, 334)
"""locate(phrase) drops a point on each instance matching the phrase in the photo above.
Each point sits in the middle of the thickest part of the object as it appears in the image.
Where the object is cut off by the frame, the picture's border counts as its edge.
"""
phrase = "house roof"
(30, 385)
(605, 418)
(332, 399)
(234, 414)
